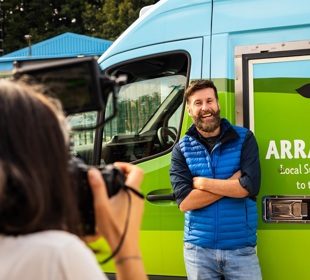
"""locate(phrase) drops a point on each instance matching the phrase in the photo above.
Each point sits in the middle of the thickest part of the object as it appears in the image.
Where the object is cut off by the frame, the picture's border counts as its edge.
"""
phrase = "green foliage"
(112, 17)
(44, 19)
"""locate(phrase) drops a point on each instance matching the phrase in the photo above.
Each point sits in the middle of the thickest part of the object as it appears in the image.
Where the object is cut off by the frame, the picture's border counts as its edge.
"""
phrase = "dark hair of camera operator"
(39, 219)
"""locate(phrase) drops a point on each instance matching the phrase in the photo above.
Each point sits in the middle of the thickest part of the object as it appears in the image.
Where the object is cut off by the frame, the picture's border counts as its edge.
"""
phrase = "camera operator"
(40, 233)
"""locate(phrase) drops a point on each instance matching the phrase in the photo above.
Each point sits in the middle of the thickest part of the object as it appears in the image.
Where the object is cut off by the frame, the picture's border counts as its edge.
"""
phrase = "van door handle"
(286, 209)
(156, 197)
(161, 196)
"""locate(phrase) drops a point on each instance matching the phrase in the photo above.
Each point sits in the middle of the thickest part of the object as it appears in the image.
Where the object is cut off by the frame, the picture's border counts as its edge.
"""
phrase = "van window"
(149, 109)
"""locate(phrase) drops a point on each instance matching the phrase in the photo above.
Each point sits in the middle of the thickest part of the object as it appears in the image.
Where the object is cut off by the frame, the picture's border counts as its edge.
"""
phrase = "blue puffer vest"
(229, 223)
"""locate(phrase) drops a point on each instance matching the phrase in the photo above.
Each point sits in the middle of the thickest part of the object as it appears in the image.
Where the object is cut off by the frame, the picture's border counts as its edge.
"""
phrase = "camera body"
(114, 180)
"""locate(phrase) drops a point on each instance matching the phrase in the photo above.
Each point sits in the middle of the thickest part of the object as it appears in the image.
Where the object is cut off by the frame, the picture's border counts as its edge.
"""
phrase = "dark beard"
(208, 127)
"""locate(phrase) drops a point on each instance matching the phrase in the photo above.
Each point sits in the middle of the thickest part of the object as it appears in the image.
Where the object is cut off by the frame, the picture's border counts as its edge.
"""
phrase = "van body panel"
(277, 105)
(193, 46)
(257, 53)
(165, 22)
(234, 16)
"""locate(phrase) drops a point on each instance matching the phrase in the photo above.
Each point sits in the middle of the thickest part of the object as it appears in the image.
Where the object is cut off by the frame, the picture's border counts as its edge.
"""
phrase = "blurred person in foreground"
(40, 233)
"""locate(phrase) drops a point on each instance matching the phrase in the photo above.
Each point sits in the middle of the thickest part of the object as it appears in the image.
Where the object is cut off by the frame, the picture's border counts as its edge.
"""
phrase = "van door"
(272, 99)
(150, 119)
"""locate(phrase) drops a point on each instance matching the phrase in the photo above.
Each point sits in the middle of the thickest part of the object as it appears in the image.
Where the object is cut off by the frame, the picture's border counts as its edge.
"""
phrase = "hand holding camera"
(112, 215)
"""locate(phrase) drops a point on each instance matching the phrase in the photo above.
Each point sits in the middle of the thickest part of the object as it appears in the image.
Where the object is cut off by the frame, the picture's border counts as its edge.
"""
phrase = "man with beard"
(215, 174)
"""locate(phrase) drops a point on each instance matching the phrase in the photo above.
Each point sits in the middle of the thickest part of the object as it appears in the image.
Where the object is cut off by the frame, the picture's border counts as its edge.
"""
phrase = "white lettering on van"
(287, 149)
(299, 149)
(297, 170)
(306, 169)
(272, 150)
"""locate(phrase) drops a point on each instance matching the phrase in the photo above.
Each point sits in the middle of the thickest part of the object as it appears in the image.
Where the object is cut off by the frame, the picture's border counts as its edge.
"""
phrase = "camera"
(81, 87)
(77, 82)
(114, 179)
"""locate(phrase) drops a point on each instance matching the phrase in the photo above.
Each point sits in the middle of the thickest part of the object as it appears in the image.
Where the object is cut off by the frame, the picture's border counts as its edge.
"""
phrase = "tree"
(44, 19)
(113, 17)
(41, 19)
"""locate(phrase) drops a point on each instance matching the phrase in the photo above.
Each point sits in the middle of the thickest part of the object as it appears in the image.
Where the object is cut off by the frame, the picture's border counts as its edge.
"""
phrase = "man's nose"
(205, 106)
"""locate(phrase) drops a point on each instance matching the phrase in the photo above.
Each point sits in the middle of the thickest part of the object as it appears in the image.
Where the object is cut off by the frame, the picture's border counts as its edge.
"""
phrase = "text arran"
(286, 149)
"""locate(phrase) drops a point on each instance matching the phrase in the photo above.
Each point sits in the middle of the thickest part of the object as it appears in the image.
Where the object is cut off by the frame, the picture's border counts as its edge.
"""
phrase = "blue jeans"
(203, 263)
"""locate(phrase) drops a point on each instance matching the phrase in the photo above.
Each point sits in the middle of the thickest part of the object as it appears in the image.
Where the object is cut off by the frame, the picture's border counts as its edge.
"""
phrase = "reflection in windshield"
(138, 102)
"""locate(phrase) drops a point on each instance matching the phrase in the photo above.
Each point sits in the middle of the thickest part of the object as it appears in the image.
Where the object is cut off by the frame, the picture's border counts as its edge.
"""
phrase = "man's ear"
(189, 111)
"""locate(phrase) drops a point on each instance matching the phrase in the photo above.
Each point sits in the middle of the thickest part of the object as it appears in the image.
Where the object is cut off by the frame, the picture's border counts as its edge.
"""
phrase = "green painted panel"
(225, 88)
(164, 257)
(283, 255)
(161, 215)
(280, 130)
(162, 253)
(227, 104)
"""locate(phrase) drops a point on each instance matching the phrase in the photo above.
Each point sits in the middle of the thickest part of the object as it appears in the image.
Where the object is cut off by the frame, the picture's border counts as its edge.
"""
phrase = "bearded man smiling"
(215, 175)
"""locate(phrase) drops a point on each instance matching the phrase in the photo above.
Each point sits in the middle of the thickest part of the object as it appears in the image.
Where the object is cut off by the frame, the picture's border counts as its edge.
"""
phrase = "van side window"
(149, 109)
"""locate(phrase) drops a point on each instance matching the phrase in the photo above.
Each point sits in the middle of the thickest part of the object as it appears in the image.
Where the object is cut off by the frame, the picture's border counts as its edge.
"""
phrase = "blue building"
(67, 45)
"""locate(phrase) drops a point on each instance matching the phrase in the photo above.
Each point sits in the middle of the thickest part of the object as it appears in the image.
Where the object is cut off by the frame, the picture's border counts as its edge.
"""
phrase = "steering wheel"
(164, 135)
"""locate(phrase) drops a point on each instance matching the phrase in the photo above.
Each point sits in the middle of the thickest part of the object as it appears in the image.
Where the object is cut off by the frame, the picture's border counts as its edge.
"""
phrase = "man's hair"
(197, 85)
(36, 189)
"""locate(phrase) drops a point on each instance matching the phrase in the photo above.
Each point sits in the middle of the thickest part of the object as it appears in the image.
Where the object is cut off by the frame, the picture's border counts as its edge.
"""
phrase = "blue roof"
(61, 46)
